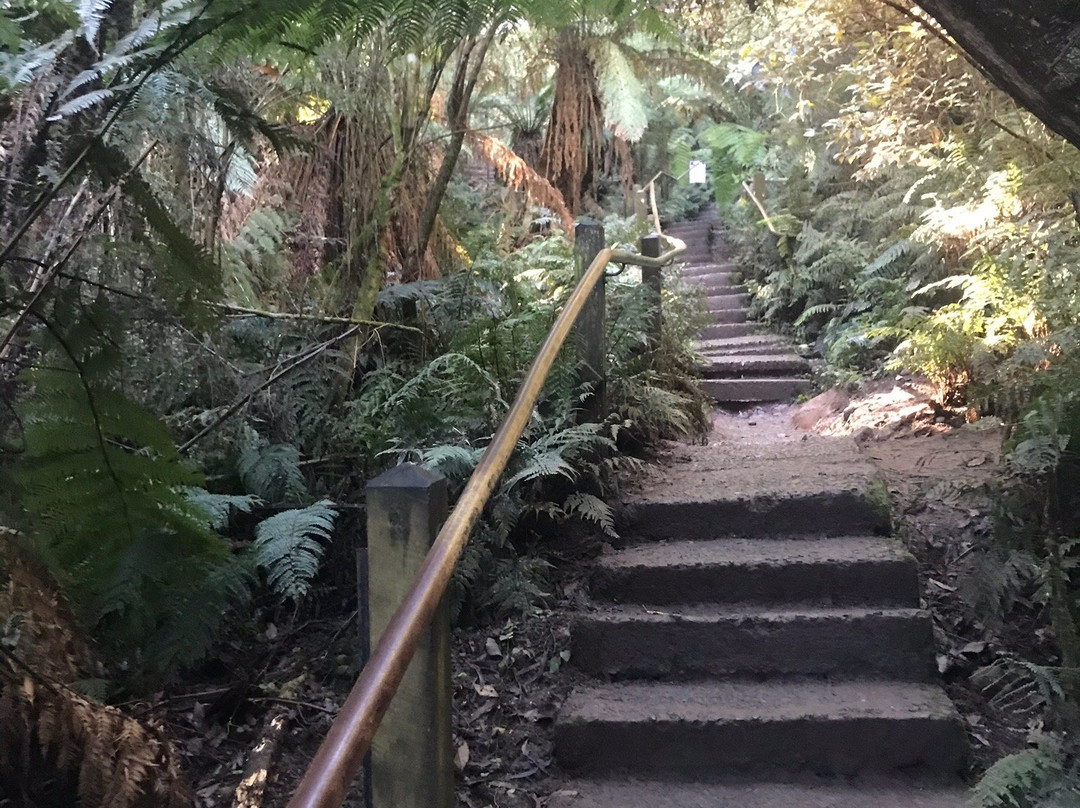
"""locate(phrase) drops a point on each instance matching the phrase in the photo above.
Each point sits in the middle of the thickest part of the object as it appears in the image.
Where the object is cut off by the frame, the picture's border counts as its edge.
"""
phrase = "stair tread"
(761, 379)
(772, 700)
(734, 361)
(802, 793)
(730, 329)
(763, 552)
(753, 340)
(739, 612)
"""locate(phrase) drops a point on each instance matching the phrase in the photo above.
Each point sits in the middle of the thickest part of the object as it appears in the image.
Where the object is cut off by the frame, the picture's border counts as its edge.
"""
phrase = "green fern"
(220, 507)
(105, 491)
(271, 472)
(743, 144)
(1039, 777)
(592, 509)
(624, 98)
(289, 546)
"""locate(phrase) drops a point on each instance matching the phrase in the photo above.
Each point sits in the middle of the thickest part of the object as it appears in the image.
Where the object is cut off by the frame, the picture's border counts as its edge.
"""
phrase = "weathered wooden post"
(641, 204)
(590, 331)
(652, 277)
(412, 764)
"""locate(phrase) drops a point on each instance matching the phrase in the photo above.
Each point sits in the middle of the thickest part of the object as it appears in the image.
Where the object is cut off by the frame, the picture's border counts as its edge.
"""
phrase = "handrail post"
(590, 329)
(640, 204)
(412, 754)
(652, 277)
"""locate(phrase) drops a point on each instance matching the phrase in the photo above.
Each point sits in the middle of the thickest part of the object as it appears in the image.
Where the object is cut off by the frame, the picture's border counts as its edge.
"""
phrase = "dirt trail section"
(742, 363)
(757, 641)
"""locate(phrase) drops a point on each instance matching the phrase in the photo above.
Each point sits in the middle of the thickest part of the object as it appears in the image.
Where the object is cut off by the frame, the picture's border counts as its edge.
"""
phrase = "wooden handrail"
(341, 753)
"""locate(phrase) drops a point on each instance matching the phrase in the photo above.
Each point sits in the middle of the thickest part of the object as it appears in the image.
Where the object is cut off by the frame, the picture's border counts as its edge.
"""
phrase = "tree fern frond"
(742, 143)
(624, 98)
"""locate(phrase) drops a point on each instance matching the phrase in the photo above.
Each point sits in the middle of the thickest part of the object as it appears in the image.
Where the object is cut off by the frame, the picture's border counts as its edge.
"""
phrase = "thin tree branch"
(315, 318)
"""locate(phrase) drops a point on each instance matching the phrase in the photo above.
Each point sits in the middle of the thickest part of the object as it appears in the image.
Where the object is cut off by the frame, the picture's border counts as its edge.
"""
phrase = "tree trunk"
(1030, 48)
(457, 113)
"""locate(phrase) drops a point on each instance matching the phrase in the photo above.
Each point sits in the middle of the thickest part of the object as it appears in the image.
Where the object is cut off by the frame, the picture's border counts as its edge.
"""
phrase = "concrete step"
(771, 343)
(760, 501)
(682, 229)
(728, 315)
(845, 570)
(691, 642)
(714, 289)
(727, 301)
(806, 792)
(808, 726)
(713, 268)
(713, 278)
(742, 391)
(754, 365)
(715, 282)
(749, 350)
(724, 330)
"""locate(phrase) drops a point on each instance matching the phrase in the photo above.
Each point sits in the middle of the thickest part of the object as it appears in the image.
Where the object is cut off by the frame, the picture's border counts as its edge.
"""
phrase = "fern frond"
(624, 98)
(290, 545)
(456, 462)
(592, 509)
(545, 464)
(104, 487)
(1018, 780)
(219, 507)
(272, 472)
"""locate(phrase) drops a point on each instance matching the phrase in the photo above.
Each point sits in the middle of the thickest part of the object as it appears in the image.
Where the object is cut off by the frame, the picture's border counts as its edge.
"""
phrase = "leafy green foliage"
(486, 326)
(1038, 777)
(290, 545)
(220, 507)
(271, 472)
(104, 490)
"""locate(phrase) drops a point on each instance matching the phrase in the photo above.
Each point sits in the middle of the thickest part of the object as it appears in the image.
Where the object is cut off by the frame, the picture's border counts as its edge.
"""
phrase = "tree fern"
(743, 144)
(624, 99)
(289, 546)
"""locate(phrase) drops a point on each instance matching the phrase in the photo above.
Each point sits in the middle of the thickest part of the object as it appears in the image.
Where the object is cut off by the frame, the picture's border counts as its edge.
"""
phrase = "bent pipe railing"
(339, 757)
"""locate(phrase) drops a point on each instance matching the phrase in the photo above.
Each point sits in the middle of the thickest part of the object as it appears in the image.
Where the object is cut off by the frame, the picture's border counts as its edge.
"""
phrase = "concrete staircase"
(742, 364)
(756, 641)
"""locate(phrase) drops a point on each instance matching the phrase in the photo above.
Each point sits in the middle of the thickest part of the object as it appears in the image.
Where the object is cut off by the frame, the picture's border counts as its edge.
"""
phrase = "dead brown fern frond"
(520, 176)
(572, 145)
(55, 743)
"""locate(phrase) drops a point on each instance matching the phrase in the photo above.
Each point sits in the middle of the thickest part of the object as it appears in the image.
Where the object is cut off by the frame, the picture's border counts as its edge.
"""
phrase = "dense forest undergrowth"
(251, 255)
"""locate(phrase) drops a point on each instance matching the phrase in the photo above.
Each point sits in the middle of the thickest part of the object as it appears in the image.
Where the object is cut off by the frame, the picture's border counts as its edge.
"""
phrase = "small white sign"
(697, 173)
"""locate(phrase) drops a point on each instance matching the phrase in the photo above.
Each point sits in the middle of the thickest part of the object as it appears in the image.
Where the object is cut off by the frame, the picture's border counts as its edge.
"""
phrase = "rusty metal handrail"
(341, 753)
